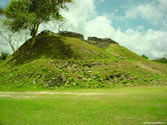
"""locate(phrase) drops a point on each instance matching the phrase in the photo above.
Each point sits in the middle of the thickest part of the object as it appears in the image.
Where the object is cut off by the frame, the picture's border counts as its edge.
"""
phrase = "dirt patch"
(146, 67)
(40, 94)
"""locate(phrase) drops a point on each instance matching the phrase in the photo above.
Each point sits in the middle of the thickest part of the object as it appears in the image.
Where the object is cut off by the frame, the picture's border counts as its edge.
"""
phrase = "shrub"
(4, 55)
(144, 56)
(161, 60)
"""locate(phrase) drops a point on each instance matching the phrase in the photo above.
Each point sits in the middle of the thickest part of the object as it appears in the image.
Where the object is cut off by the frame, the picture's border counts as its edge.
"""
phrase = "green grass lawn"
(125, 106)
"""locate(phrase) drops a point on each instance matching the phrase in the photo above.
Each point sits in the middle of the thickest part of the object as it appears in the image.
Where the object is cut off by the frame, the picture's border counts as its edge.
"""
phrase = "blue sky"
(3, 3)
(118, 8)
(140, 25)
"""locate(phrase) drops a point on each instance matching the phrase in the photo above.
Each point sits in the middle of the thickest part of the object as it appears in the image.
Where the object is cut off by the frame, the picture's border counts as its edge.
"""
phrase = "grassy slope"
(58, 47)
(123, 53)
(56, 61)
(118, 107)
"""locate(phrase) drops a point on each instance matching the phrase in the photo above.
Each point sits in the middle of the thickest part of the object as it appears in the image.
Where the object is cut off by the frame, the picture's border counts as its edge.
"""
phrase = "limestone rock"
(105, 40)
(101, 42)
(72, 34)
(47, 32)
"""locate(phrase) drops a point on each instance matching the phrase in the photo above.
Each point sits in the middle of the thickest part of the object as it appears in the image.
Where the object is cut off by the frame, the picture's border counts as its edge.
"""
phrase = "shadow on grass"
(1, 123)
(49, 47)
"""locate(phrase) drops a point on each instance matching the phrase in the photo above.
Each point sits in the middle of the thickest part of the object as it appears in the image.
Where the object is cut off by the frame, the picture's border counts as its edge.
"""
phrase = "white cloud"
(86, 21)
(98, 27)
(16, 39)
(150, 42)
(79, 13)
(154, 12)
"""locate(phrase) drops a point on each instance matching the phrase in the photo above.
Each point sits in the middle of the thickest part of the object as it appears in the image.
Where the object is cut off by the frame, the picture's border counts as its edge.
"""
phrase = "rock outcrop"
(72, 34)
(106, 40)
(101, 42)
(47, 32)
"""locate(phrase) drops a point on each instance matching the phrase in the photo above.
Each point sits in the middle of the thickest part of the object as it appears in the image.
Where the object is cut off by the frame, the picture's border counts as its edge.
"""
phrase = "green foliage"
(63, 62)
(145, 57)
(29, 14)
(4, 55)
(161, 60)
(1, 11)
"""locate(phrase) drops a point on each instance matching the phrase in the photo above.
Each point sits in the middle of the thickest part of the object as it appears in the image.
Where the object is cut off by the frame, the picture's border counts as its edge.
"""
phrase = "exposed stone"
(72, 34)
(95, 39)
(106, 40)
(101, 42)
(47, 32)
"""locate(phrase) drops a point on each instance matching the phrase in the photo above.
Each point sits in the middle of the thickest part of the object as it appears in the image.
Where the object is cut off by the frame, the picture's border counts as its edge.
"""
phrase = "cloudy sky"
(140, 25)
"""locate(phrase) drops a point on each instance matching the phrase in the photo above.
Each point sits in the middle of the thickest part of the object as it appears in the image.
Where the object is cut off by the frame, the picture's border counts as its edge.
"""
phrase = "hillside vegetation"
(56, 61)
(161, 60)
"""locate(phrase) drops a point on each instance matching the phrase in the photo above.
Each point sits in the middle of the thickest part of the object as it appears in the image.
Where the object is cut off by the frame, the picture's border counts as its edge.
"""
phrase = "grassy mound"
(55, 61)
(54, 46)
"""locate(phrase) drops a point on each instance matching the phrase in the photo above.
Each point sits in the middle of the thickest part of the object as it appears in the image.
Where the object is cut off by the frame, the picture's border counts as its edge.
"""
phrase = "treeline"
(161, 60)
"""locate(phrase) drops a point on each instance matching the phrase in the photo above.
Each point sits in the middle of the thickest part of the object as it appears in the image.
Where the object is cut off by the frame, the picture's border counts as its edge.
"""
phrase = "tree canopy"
(1, 11)
(29, 14)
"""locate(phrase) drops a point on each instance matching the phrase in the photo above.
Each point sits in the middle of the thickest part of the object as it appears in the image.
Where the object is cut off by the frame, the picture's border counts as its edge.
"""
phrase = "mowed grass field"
(125, 106)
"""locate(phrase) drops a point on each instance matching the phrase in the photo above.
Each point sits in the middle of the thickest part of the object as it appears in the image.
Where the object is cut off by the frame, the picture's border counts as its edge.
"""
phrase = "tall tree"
(29, 14)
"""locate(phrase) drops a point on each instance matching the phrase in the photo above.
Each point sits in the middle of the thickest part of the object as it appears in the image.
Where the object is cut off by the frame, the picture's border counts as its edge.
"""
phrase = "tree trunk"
(34, 34)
